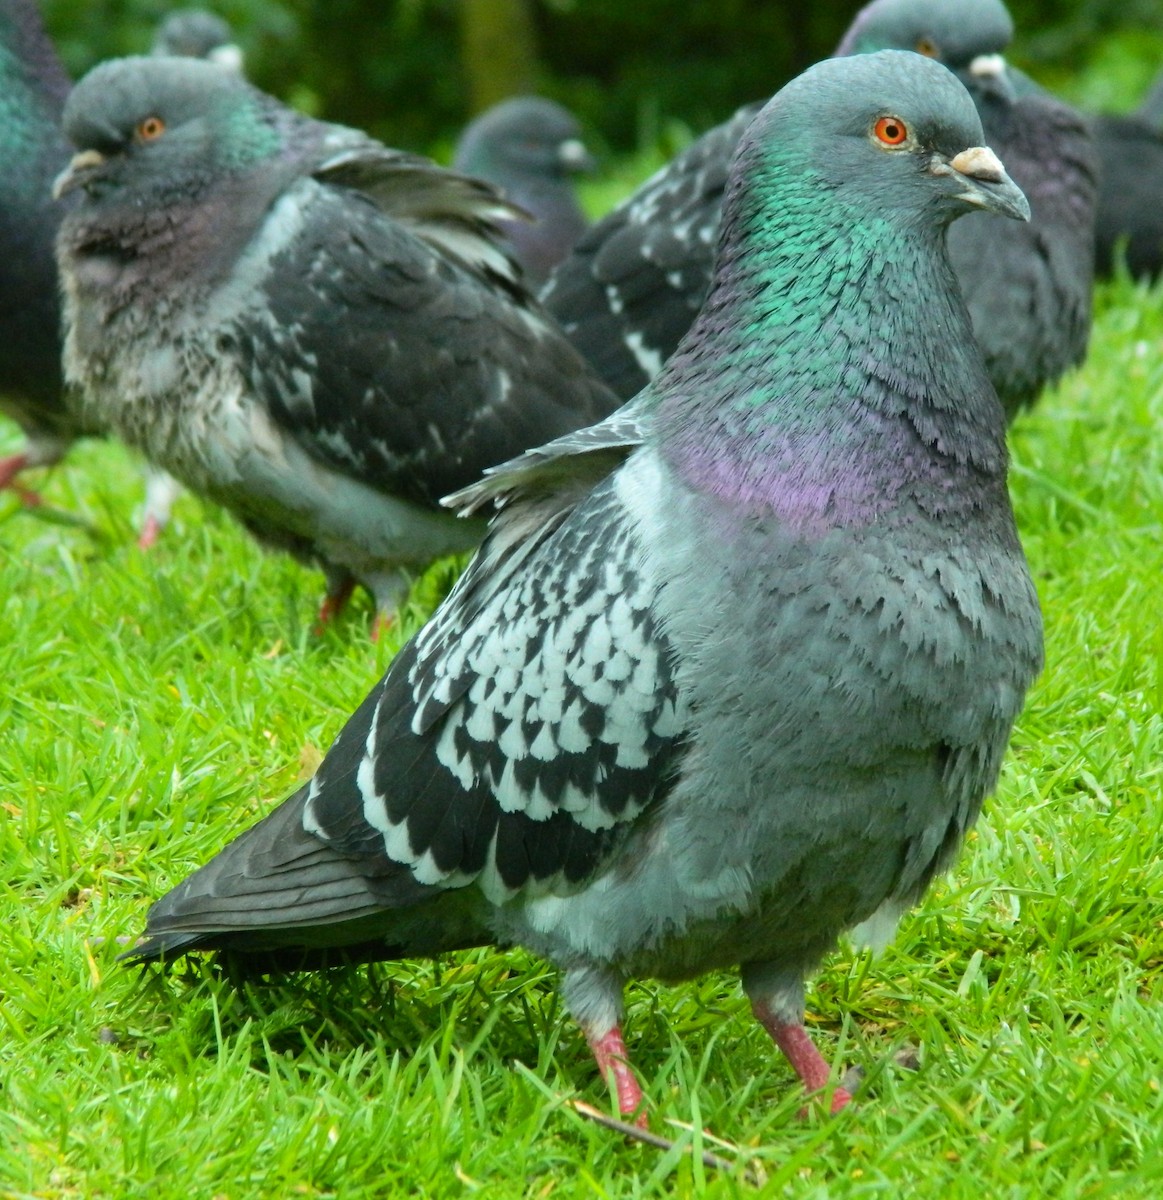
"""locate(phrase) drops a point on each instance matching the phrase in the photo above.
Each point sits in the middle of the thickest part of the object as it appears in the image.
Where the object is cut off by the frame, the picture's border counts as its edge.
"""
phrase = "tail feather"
(278, 887)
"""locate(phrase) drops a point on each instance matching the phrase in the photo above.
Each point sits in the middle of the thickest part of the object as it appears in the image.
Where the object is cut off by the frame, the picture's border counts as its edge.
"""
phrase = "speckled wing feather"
(635, 281)
(512, 744)
(387, 360)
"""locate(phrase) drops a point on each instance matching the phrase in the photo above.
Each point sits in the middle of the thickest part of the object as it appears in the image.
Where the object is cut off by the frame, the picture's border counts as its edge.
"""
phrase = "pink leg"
(334, 603)
(10, 467)
(614, 1063)
(381, 623)
(151, 529)
(799, 1050)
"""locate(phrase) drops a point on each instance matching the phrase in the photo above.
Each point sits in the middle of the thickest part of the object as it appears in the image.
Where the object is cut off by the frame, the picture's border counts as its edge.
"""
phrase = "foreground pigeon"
(531, 149)
(33, 87)
(734, 669)
(313, 330)
(196, 33)
(635, 280)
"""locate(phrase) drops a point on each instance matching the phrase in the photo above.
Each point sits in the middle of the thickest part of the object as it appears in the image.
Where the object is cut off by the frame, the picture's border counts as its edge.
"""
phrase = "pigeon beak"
(574, 157)
(988, 75)
(987, 186)
(75, 175)
(988, 66)
(229, 56)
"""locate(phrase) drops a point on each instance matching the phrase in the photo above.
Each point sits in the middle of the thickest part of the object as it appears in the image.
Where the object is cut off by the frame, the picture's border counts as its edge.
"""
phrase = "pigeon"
(196, 33)
(635, 280)
(33, 87)
(313, 330)
(1129, 225)
(1029, 287)
(734, 668)
(531, 148)
(1150, 108)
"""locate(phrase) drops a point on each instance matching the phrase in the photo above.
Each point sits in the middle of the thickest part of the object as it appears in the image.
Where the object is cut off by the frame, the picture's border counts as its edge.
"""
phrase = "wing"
(455, 213)
(634, 282)
(392, 362)
(512, 745)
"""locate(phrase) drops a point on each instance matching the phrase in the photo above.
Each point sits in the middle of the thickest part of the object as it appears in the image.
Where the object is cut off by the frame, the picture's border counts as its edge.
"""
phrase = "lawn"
(155, 703)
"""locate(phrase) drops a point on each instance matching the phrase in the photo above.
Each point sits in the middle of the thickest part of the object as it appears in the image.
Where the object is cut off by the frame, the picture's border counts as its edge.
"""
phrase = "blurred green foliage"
(629, 69)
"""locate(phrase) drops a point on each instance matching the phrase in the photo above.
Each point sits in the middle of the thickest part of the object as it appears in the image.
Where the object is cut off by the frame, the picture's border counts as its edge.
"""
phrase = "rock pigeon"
(1150, 109)
(313, 330)
(636, 278)
(1130, 215)
(33, 87)
(531, 149)
(1029, 287)
(734, 669)
(196, 33)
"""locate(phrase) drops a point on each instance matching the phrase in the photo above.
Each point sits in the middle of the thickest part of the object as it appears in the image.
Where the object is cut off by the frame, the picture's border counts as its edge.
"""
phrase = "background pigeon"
(1130, 214)
(630, 289)
(531, 149)
(196, 33)
(314, 330)
(734, 669)
(1150, 108)
(1029, 286)
(33, 87)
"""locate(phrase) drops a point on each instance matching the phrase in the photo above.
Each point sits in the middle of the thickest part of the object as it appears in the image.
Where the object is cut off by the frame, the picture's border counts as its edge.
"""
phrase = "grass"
(155, 704)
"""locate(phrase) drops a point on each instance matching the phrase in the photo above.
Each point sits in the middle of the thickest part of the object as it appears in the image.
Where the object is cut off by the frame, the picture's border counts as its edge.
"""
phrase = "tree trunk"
(499, 50)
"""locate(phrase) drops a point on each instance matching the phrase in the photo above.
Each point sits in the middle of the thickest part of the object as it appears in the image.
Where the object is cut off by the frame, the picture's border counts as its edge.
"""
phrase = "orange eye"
(928, 48)
(892, 131)
(150, 129)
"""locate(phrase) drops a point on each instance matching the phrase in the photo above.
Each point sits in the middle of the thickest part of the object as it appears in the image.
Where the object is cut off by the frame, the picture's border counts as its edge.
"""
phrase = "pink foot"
(334, 603)
(799, 1050)
(151, 529)
(614, 1063)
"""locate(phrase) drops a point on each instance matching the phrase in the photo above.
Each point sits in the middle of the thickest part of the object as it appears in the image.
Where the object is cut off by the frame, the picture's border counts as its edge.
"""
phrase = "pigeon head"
(954, 32)
(164, 128)
(196, 33)
(886, 138)
(831, 261)
(523, 135)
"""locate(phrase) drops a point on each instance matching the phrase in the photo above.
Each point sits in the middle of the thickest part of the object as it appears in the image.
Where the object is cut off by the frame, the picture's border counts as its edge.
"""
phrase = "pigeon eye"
(150, 129)
(891, 131)
(928, 48)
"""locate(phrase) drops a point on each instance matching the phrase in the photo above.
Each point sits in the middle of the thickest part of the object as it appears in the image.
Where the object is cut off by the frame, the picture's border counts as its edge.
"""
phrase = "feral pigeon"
(734, 669)
(1130, 215)
(1150, 108)
(637, 277)
(1029, 287)
(33, 87)
(313, 330)
(530, 148)
(196, 33)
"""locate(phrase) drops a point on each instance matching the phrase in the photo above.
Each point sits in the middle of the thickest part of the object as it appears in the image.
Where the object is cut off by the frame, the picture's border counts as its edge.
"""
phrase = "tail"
(277, 892)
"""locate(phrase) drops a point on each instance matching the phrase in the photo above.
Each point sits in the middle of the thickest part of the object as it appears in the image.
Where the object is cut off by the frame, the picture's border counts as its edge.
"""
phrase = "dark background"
(412, 71)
